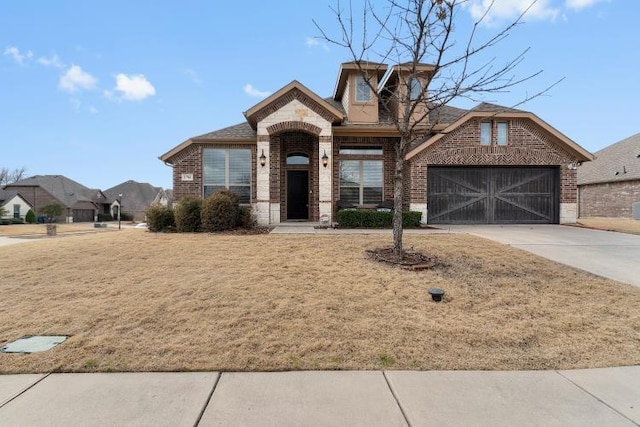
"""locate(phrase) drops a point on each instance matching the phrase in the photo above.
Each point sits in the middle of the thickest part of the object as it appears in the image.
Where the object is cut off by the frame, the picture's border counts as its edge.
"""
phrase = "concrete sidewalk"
(595, 397)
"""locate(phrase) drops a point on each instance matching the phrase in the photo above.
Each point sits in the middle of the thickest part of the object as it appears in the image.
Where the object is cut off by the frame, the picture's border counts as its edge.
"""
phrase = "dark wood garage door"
(515, 195)
(83, 215)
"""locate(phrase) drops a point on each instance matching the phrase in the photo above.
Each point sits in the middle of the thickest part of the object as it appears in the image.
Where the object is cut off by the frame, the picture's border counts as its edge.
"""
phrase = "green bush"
(220, 211)
(30, 217)
(16, 221)
(126, 216)
(104, 217)
(359, 218)
(160, 218)
(187, 214)
(4, 222)
(52, 210)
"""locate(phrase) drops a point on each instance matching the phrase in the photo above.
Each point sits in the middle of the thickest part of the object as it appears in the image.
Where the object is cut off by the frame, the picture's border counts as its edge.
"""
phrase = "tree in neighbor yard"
(7, 176)
(437, 60)
(52, 210)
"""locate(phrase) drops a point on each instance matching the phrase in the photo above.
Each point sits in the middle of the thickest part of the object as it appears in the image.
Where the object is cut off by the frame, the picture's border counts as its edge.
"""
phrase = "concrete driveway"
(605, 253)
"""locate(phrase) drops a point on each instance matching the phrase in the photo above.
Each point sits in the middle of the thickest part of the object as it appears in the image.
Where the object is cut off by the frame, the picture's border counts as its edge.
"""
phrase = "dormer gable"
(354, 90)
(406, 82)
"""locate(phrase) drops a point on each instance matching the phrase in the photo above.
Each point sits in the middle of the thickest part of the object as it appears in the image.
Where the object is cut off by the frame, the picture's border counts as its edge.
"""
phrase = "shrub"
(104, 217)
(30, 217)
(220, 211)
(245, 218)
(52, 210)
(16, 221)
(357, 218)
(126, 216)
(187, 214)
(160, 218)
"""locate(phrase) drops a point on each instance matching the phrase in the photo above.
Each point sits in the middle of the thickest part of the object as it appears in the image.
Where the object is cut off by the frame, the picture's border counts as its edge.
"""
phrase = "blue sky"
(96, 91)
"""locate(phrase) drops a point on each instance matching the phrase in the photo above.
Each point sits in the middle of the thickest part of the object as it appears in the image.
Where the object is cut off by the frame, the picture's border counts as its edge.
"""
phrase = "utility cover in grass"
(33, 344)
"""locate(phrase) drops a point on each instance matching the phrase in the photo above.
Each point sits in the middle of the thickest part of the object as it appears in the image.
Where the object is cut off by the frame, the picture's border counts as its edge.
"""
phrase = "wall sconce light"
(263, 159)
(572, 166)
(325, 159)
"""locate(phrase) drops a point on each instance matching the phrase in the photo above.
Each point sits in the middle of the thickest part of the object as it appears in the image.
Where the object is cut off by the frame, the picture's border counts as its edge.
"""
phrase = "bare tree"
(7, 176)
(421, 40)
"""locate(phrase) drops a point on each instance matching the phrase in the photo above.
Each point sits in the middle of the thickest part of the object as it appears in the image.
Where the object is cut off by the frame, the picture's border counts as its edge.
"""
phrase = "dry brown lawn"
(36, 230)
(139, 301)
(623, 225)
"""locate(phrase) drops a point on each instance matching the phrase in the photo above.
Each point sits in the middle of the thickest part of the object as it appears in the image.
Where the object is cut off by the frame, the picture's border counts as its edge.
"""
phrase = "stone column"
(262, 182)
(325, 177)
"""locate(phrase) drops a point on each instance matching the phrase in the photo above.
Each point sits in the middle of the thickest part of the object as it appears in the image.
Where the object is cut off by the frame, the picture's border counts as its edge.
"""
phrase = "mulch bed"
(411, 260)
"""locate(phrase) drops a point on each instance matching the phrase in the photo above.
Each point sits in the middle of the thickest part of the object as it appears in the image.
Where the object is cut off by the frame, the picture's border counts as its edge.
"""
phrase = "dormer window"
(363, 91)
(415, 89)
(485, 133)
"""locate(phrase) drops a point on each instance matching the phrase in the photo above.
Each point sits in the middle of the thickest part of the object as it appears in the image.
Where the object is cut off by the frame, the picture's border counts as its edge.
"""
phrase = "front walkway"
(595, 397)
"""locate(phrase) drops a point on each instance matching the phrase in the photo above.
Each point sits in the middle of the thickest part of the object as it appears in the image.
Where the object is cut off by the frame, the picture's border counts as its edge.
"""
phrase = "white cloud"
(75, 79)
(93, 110)
(252, 91)
(14, 53)
(135, 87)
(313, 42)
(582, 4)
(53, 61)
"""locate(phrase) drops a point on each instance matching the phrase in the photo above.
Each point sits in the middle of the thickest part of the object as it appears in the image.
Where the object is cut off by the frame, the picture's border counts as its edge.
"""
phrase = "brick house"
(300, 157)
(610, 184)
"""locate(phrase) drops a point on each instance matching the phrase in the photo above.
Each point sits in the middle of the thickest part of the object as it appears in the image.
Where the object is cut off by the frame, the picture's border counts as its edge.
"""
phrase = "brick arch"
(293, 126)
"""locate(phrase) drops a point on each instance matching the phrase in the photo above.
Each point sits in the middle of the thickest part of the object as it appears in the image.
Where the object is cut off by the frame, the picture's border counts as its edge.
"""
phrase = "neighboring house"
(135, 198)
(300, 157)
(610, 184)
(81, 204)
(13, 204)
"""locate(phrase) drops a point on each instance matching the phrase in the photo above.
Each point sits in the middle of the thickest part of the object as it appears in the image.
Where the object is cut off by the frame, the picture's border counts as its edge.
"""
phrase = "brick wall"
(612, 199)
(528, 145)
(190, 161)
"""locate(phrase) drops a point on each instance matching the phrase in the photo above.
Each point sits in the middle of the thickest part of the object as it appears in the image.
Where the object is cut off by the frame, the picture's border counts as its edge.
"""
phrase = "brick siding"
(528, 145)
(611, 199)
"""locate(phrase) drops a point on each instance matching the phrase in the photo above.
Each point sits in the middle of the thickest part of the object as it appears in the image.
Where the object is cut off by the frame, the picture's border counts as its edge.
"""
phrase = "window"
(361, 180)
(297, 159)
(485, 133)
(363, 91)
(16, 211)
(502, 133)
(227, 168)
(415, 89)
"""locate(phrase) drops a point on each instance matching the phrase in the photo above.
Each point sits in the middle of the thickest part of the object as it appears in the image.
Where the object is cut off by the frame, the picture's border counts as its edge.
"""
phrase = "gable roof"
(347, 67)
(136, 196)
(7, 195)
(488, 111)
(617, 162)
(68, 192)
(335, 115)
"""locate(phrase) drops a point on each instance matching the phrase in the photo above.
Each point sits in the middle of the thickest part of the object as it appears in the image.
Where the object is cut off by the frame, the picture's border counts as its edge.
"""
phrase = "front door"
(297, 194)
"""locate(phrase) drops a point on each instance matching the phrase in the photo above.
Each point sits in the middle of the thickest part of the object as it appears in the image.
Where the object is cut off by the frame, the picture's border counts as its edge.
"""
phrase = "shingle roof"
(446, 114)
(495, 108)
(69, 192)
(7, 194)
(136, 196)
(617, 162)
(241, 130)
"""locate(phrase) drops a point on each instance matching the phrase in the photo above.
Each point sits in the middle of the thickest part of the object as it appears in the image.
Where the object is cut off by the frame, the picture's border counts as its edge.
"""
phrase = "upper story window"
(415, 89)
(363, 91)
(297, 159)
(227, 168)
(485, 133)
(502, 133)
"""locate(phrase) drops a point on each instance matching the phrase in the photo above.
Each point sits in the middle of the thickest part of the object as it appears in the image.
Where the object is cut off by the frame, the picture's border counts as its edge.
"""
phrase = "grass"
(36, 230)
(622, 225)
(138, 301)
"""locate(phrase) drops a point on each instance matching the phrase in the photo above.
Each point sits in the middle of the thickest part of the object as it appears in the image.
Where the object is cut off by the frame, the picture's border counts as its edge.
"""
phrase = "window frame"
(499, 140)
(227, 172)
(361, 83)
(361, 154)
(484, 124)
(415, 82)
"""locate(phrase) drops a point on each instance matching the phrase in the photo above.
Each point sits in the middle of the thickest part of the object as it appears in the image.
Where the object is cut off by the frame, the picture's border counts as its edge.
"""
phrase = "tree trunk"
(398, 190)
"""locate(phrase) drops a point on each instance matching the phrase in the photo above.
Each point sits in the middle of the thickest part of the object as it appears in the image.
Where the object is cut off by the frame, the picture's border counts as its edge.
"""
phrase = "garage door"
(520, 195)
(83, 215)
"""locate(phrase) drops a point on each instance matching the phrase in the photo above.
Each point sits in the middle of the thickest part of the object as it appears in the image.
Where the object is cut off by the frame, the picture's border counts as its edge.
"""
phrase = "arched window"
(297, 159)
